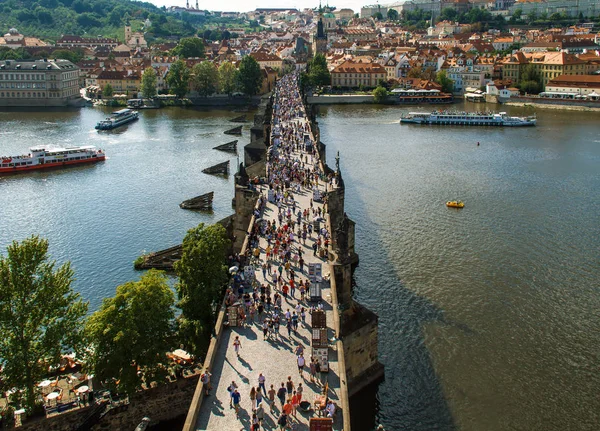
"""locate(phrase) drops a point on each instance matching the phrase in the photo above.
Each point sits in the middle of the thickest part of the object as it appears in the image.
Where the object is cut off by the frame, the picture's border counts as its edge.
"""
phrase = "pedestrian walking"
(281, 394)
(295, 403)
(282, 421)
(261, 383)
(299, 392)
(301, 361)
(271, 394)
(236, 401)
(260, 415)
(205, 379)
(231, 388)
(253, 396)
(289, 385)
(237, 345)
(313, 370)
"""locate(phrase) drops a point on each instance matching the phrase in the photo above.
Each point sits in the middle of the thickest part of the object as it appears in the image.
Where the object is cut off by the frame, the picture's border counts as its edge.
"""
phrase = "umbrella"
(233, 269)
(45, 383)
(182, 354)
(83, 389)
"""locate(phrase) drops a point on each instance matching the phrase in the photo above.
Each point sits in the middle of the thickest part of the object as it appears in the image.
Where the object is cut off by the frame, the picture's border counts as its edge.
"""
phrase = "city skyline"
(244, 6)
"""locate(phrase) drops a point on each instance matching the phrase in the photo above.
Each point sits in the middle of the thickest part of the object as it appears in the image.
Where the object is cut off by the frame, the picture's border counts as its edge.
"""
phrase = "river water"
(488, 315)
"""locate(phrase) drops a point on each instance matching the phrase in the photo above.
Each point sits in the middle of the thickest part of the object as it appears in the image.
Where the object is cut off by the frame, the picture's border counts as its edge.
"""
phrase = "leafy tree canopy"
(131, 332)
(205, 78)
(250, 76)
(379, 94)
(149, 82)
(202, 275)
(40, 315)
(178, 78)
(446, 83)
(189, 47)
(227, 78)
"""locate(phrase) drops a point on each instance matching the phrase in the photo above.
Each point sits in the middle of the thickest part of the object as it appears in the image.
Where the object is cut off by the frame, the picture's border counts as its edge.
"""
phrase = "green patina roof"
(328, 15)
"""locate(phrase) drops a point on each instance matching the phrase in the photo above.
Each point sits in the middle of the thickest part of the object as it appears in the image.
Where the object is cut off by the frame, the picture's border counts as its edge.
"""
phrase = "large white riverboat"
(118, 118)
(43, 158)
(450, 118)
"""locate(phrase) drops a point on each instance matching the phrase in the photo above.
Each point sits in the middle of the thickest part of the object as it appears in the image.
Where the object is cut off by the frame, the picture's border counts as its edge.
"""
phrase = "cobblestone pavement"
(274, 358)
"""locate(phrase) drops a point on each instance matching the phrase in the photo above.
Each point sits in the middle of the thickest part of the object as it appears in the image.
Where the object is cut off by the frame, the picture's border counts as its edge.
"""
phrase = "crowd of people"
(280, 297)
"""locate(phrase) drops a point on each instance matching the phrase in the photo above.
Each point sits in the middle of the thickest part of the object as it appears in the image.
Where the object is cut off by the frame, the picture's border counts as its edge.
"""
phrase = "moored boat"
(449, 118)
(118, 118)
(455, 204)
(44, 158)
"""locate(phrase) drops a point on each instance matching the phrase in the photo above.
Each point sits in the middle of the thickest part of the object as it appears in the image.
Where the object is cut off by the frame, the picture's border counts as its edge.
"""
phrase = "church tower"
(127, 32)
(319, 45)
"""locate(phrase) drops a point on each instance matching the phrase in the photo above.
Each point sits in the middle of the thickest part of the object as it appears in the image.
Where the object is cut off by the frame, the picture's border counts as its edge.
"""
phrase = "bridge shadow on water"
(411, 397)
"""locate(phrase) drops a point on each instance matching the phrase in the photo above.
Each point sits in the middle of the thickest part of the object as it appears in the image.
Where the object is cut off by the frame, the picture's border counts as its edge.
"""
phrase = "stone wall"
(162, 403)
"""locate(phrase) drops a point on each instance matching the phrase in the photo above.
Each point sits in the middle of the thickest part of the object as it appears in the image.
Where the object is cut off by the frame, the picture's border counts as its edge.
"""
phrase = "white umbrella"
(45, 383)
(233, 269)
(182, 354)
(82, 389)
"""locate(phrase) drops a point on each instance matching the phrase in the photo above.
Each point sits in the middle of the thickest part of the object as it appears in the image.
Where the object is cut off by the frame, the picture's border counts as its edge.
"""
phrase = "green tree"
(205, 78)
(530, 80)
(189, 47)
(392, 14)
(107, 91)
(178, 78)
(65, 54)
(378, 16)
(446, 83)
(516, 16)
(318, 73)
(227, 78)
(449, 14)
(250, 77)
(415, 72)
(40, 315)
(379, 94)
(131, 332)
(149, 81)
(202, 275)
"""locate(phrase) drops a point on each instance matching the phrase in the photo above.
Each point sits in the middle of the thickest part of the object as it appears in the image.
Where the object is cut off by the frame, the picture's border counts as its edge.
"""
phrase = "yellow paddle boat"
(455, 204)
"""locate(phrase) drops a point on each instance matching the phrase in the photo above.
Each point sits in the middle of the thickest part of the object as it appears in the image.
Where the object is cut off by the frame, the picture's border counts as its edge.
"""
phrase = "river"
(488, 315)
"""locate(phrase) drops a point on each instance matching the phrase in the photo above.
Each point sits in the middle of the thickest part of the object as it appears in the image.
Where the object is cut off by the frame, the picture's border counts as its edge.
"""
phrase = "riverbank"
(564, 107)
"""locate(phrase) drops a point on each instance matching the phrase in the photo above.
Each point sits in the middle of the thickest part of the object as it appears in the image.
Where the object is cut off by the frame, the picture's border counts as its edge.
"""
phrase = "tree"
(318, 73)
(449, 14)
(227, 78)
(378, 16)
(392, 14)
(415, 72)
(446, 83)
(205, 78)
(202, 275)
(65, 54)
(379, 94)
(189, 47)
(107, 91)
(530, 80)
(250, 76)
(40, 315)
(149, 81)
(178, 78)
(131, 332)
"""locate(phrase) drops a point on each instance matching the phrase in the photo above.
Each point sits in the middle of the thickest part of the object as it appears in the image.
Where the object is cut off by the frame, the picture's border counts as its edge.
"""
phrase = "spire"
(197, 8)
(187, 4)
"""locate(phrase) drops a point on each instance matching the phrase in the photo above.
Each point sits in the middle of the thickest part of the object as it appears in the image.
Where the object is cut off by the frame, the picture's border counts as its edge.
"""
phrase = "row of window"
(28, 94)
(23, 85)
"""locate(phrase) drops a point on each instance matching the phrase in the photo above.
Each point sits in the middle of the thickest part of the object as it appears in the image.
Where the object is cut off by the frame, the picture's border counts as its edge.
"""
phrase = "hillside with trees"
(50, 19)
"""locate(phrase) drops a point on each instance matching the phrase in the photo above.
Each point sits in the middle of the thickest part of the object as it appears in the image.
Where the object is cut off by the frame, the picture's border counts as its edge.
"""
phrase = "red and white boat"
(45, 158)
